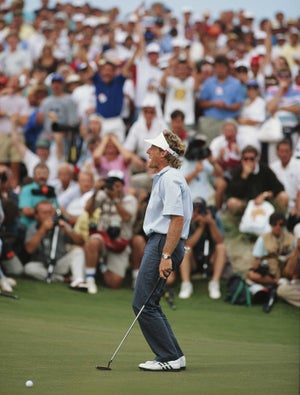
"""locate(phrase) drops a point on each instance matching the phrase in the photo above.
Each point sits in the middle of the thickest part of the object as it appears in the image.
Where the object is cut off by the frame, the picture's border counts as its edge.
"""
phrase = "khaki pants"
(290, 293)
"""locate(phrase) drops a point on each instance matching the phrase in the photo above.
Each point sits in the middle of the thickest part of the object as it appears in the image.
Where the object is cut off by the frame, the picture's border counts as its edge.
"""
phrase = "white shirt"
(180, 96)
(289, 176)
(31, 159)
(135, 141)
(146, 74)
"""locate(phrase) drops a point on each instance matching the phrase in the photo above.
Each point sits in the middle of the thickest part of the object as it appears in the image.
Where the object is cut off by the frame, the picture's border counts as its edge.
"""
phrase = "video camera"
(197, 150)
(61, 128)
(199, 204)
(44, 190)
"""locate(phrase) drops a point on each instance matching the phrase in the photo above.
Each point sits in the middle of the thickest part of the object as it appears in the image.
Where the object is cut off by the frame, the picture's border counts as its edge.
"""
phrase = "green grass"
(56, 337)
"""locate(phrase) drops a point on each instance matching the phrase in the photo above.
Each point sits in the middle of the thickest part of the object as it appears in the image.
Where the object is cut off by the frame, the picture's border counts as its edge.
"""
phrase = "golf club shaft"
(159, 281)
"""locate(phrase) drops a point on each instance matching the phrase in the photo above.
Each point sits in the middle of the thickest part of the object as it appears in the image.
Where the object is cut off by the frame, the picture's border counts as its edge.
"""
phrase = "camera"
(44, 190)
(199, 204)
(61, 128)
(263, 268)
(197, 150)
(3, 177)
(59, 215)
(113, 232)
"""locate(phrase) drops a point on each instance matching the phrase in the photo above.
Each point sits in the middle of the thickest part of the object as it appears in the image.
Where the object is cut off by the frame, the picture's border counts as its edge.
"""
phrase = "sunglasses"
(149, 111)
(284, 75)
(249, 158)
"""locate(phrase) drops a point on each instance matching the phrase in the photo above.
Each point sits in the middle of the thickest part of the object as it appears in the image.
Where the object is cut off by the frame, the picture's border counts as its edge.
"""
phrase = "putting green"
(55, 337)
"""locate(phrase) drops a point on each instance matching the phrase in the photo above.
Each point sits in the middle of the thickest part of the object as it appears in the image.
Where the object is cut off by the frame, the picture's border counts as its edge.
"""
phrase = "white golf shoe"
(155, 366)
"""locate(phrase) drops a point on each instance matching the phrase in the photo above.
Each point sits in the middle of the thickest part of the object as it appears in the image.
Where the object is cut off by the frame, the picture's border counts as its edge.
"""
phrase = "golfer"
(166, 224)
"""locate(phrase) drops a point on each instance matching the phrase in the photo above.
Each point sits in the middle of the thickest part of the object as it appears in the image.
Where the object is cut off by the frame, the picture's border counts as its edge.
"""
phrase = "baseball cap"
(161, 142)
(116, 174)
(153, 48)
(252, 83)
(57, 77)
(43, 143)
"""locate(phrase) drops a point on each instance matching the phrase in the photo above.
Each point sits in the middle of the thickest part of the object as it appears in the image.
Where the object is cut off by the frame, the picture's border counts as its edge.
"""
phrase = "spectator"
(15, 61)
(47, 58)
(84, 95)
(221, 97)
(287, 170)
(290, 292)
(9, 228)
(111, 155)
(177, 124)
(225, 148)
(64, 180)
(40, 240)
(109, 94)
(271, 252)
(59, 103)
(253, 113)
(253, 180)
(284, 99)
(146, 126)
(180, 88)
(202, 173)
(205, 234)
(12, 103)
(113, 232)
(33, 193)
(73, 200)
(42, 155)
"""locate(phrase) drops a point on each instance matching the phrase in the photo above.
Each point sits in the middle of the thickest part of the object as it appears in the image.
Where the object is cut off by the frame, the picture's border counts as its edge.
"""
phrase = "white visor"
(162, 143)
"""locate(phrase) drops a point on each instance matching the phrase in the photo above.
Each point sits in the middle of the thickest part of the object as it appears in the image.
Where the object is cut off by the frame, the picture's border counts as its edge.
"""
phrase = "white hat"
(161, 142)
(248, 14)
(297, 231)
(72, 78)
(150, 100)
(153, 47)
(78, 17)
(116, 174)
(260, 35)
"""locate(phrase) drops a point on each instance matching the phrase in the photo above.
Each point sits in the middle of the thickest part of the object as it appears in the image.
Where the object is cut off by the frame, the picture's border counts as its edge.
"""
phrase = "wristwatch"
(165, 256)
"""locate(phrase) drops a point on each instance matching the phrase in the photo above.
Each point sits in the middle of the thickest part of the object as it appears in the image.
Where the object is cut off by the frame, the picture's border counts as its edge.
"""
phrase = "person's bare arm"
(173, 237)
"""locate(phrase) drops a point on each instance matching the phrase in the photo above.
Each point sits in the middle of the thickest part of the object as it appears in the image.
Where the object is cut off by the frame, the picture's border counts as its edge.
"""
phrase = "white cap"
(241, 63)
(153, 47)
(150, 100)
(116, 174)
(248, 14)
(72, 78)
(187, 9)
(260, 35)
(297, 231)
(78, 17)
(161, 142)
(180, 42)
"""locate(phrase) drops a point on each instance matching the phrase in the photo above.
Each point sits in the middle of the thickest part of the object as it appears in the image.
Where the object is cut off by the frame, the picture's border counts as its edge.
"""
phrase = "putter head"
(103, 367)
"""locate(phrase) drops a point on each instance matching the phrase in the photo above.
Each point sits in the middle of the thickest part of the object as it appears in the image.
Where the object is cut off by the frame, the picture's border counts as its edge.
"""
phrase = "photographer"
(34, 192)
(39, 243)
(110, 237)
(202, 173)
(271, 252)
(205, 242)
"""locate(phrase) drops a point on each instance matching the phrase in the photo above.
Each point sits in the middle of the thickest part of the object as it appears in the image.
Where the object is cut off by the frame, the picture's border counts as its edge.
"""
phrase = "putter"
(159, 281)
(7, 295)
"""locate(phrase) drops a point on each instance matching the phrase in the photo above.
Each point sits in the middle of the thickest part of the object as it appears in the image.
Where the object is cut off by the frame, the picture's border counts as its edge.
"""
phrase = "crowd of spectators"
(82, 87)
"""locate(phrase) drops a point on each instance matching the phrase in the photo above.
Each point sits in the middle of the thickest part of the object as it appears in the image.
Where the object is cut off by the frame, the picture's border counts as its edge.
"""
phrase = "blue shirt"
(230, 91)
(109, 97)
(28, 199)
(170, 195)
